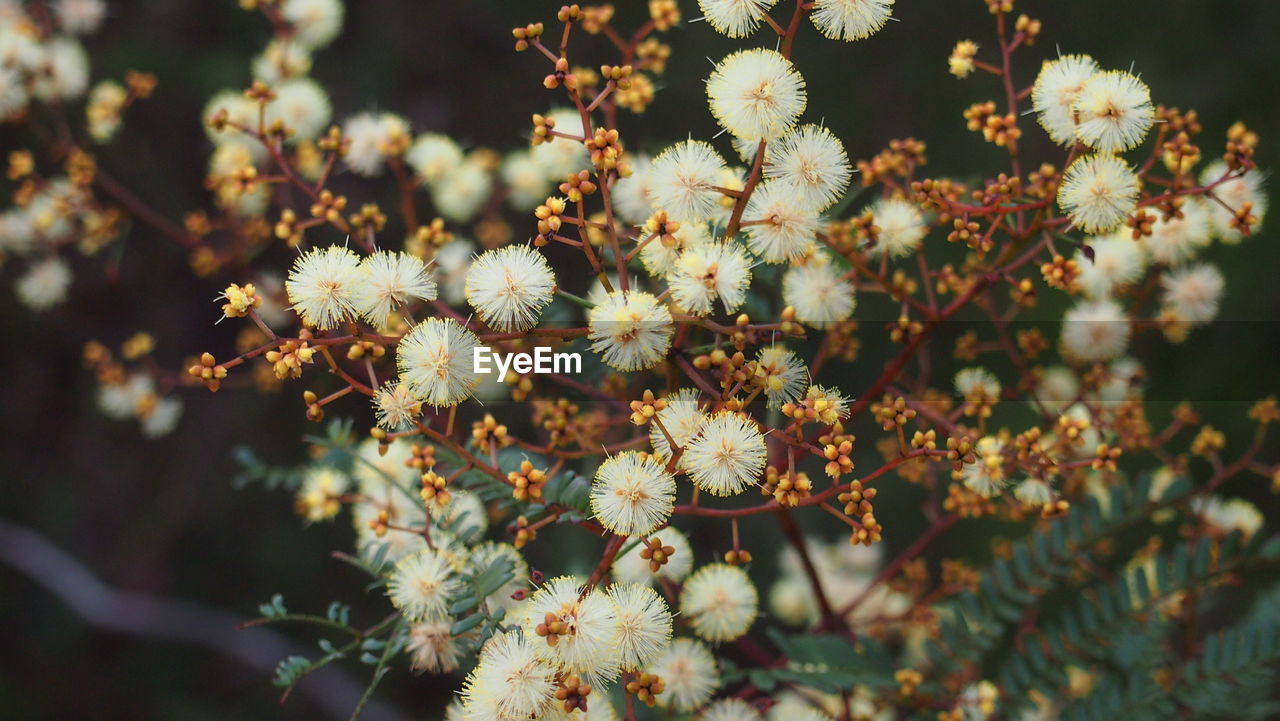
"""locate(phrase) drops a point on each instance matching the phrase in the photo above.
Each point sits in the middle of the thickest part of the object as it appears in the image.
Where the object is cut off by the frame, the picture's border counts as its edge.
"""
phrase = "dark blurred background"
(161, 517)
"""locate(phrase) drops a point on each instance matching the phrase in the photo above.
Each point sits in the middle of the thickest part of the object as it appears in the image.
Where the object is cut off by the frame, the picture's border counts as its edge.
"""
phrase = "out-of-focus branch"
(138, 614)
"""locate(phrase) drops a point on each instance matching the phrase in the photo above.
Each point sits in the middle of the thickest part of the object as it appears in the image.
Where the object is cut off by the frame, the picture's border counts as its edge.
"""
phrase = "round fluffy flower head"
(510, 681)
(682, 418)
(1235, 193)
(1113, 111)
(322, 286)
(395, 406)
(811, 161)
(572, 632)
(435, 361)
(727, 455)
(784, 375)
(461, 194)
(901, 227)
(315, 22)
(1118, 261)
(632, 494)
(735, 18)
(66, 70)
(390, 280)
(709, 272)
(756, 94)
(1098, 191)
(720, 602)
(632, 567)
(632, 331)
(432, 648)
(682, 181)
(1095, 330)
(782, 226)
(978, 383)
(986, 477)
(509, 287)
(730, 709)
(433, 156)
(660, 254)
(1033, 492)
(422, 583)
(851, 19)
(526, 183)
(317, 498)
(44, 285)
(303, 106)
(81, 17)
(558, 156)
(631, 194)
(1192, 293)
(689, 671)
(1174, 241)
(373, 138)
(644, 623)
(1225, 515)
(1054, 92)
(819, 292)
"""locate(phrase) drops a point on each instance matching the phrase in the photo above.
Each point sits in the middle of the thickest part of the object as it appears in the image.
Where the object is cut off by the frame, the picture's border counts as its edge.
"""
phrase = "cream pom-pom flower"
(322, 286)
(784, 376)
(372, 139)
(303, 106)
(1235, 193)
(682, 181)
(986, 477)
(780, 226)
(315, 22)
(978, 383)
(317, 497)
(1225, 515)
(44, 285)
(395, 406)
(811, 161)
(730, 709)
(727, 455)
(65, 74)
(1095, 330)
(1113, 111)
(558, 156)
(851, 20)
(901, 227)
(1193, 292)
(527, 185)
(735, 18)
(435, 361)
(720, 602)
(80, 17)
(682, 419)
(433, 156)
(632, 494)
(819, 292)
(572, 631)
(710, 272)
(1174, 241)
(644, 624)
(660, 254)
(1054, 92)
(422, 583)
(390, 280)
(1097, 192)
(689, 671)
(756, 94)
(432, 648)
(509, 287)
(485, 554)
(632, 331)
(1033, 491)
(631, 194)
(463, 192)
(1118, 262)
(510, 681)
(631, 567)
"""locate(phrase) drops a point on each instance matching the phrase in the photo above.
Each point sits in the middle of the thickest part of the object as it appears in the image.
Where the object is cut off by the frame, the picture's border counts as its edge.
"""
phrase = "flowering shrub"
(716, 290)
